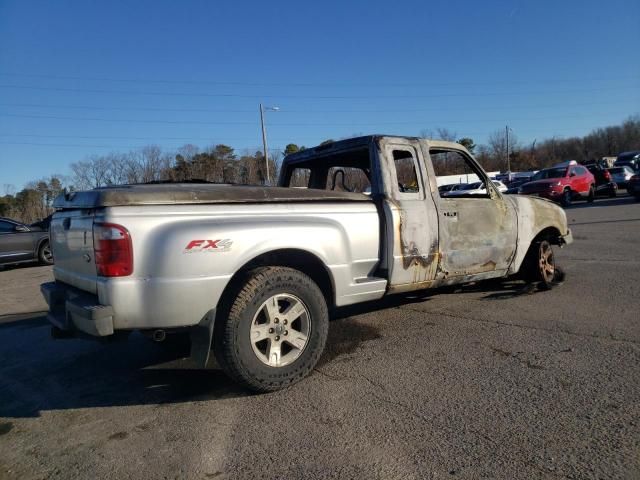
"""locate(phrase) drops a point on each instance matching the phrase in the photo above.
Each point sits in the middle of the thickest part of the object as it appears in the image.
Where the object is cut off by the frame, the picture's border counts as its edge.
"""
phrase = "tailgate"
(71, 234)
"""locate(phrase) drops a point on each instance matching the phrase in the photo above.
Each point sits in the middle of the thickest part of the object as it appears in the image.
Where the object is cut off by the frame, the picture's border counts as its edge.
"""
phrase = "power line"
(296, 139)
(150, 109)
(134, 147)
(296, 124)
(126, 120)
(318, 97)
(302, 84)
(103, 137)
(308, 111)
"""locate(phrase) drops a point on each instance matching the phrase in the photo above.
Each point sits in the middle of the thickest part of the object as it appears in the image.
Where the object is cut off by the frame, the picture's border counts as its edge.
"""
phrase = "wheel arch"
(551, 234)
(39, 244)
(298, 259)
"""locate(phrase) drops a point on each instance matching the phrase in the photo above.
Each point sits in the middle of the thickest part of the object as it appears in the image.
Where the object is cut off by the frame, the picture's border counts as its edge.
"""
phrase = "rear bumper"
(72, 310)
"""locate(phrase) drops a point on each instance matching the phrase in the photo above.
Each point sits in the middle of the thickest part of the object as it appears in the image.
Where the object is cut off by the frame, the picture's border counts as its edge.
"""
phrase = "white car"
(476, 188)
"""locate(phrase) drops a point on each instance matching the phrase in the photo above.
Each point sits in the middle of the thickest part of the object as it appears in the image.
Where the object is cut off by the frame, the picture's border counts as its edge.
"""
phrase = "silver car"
(22, 243)
(621, 175)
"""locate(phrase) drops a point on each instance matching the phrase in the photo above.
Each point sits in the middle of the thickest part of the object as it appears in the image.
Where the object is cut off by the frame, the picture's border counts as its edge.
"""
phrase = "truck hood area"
(205, 193)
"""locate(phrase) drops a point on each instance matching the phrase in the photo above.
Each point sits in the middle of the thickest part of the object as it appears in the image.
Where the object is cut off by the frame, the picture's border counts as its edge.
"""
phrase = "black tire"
(236, 351)
(567, 198)
(539, 264)
(592, 194)
(613, 192)
(45, 256)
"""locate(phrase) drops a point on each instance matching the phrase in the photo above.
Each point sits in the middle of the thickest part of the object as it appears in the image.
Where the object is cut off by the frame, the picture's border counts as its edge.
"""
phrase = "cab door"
(478, 231)
(411, 220)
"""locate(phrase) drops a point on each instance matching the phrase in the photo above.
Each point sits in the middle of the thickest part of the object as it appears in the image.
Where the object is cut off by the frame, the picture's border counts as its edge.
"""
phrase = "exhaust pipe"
(159, 336)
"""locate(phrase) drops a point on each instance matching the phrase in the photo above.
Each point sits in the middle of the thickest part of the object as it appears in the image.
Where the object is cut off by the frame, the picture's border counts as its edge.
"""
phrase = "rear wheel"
(275, 329)
(540, 264)
(612, 192)
(566, 198)
(45, 255)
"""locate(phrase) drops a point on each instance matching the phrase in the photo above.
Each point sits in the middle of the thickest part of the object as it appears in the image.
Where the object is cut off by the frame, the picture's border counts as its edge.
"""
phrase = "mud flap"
(201, 336)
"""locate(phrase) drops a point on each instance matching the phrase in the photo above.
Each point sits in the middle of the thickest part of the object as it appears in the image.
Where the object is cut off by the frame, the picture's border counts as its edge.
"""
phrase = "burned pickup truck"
(253, 272)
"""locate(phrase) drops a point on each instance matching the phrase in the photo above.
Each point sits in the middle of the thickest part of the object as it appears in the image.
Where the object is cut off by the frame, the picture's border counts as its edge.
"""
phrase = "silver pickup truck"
(253, 272)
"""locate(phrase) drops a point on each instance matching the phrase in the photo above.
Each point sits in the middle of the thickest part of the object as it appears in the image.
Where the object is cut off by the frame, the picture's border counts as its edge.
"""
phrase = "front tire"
(539, 264)
(45, 255)
(566, 198)
(275, 329)
(592, 195)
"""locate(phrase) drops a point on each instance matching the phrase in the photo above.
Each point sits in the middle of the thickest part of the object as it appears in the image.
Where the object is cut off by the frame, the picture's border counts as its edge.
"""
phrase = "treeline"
(221, 163)
(601, 142)
(33, 202)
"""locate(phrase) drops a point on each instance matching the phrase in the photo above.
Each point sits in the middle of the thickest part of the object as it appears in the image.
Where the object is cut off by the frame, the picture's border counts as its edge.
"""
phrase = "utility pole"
(264, 144)
(508, 159)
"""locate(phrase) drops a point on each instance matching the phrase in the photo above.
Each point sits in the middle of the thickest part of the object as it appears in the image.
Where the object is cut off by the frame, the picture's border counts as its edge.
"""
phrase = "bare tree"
(440, 133)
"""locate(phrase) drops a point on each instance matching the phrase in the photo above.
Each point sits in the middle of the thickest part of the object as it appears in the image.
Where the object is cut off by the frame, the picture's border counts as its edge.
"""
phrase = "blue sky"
(87, 77)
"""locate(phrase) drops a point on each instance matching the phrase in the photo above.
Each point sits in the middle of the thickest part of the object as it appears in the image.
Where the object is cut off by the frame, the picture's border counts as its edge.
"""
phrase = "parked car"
(621, 175)
(605, 185)
(253, 272)
(43, 224)
(20, 243)
(562, 183)
(516, 183)
(452, 187)
(502, 188)
(629, 159)
(476, 188)
(633, 187)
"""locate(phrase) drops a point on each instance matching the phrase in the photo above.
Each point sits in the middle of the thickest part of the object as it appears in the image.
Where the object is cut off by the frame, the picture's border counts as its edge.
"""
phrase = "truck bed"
(201, 193)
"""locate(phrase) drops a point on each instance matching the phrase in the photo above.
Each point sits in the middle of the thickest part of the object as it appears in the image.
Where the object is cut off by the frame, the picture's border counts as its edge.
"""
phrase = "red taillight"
(113, 250)
(607, 175)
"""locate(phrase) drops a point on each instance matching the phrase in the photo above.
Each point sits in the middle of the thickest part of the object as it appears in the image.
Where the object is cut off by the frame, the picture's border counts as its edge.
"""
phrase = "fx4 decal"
(208, 245)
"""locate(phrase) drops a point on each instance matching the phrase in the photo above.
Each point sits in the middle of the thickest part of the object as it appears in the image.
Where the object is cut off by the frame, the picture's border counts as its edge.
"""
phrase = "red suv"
(562, 183)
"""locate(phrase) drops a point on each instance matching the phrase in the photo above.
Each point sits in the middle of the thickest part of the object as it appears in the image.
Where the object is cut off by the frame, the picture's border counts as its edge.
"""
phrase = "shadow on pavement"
(18, 266)
(38, 373)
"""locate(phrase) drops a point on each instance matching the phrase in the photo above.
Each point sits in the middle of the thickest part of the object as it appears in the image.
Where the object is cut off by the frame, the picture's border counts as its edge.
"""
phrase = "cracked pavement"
(487, 381)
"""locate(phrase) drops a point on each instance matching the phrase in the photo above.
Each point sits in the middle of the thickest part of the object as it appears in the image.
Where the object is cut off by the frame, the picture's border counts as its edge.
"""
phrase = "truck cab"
(427, 239)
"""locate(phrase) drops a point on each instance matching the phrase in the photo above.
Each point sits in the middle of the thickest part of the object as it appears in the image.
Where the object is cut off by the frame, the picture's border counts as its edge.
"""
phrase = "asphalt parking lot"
(488, 381)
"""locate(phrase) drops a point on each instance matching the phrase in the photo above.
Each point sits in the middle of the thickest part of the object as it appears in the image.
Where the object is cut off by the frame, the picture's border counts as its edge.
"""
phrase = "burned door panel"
(412, 222)
(477, 226)
(477, 235)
